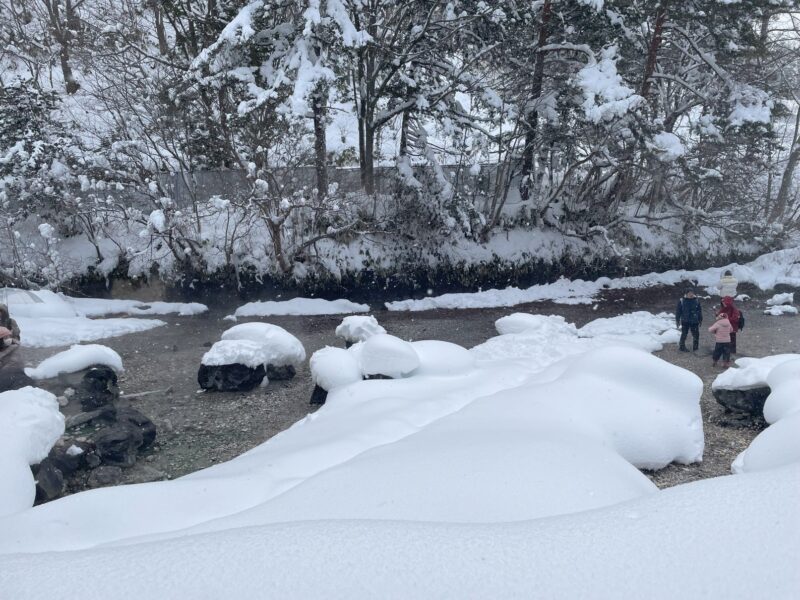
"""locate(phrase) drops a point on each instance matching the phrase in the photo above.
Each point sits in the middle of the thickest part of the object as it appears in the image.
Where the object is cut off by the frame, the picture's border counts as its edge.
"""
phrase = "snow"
(777, 445)
(99, 307)
(49, 304)
(53, 331)
(30, 424)
(357, 328)
(751, 372)
(667, 146)
(243, 352)
(778, 299)
(74, 450)
(442, 359)
(766, 271)
(334, 367)
(777, 311)
(281, 347)
(384, 354)
(784, 384)
(76, 359)
(606, 96)
(298, 306)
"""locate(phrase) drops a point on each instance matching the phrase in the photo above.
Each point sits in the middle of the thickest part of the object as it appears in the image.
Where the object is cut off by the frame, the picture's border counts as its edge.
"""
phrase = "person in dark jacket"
(688, 316)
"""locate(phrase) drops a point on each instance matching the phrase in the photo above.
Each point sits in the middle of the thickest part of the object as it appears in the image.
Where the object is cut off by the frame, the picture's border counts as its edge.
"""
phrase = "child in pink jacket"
(722, 329)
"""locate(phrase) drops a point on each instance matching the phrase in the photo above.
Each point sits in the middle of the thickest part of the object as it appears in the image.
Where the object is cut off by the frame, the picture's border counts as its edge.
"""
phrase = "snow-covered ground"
(767, 271)
(47, 319)
(298, 306)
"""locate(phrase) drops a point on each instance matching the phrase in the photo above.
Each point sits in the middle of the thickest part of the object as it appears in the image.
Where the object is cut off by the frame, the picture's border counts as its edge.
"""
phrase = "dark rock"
(125, 414)
(104, 476)
(68, 461)
(92, 460)
(230, 378)
(377, 376)
(49, 481)
(279, 373)
(318, 396)
(208, 344)
(348, 343)
(107, 414)
(12, 377)
(98, 387)
(747, 404)
(118, 444)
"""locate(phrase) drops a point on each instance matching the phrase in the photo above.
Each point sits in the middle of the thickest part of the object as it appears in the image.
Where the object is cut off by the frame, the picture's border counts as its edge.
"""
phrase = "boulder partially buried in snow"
(784, 397)
(442, 358)
(387, 355)
(280, 347)
(777, 445)
(358, 328)
(30, 424)
(233, 366)
(745, 389)
(332, 368)
(77, 358)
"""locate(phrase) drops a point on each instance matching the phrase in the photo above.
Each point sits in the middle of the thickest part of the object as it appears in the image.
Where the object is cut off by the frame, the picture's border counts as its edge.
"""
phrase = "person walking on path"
(722, 335)
(727, 284)
(689, 316)
(735, 317)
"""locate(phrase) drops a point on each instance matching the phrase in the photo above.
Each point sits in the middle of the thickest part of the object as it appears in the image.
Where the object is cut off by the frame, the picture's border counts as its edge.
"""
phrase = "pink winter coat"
(722, 330)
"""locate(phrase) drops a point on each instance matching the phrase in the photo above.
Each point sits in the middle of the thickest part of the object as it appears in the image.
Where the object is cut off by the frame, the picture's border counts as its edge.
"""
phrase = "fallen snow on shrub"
(54, 331)
(30, 423)
(280, 346)
(76, 359)
(384, 354)
(751, 372)
(298, 306)
(782, 309)
(358, 328)
(779, 299)
(100, 307)
(334, 367)
(766, 271)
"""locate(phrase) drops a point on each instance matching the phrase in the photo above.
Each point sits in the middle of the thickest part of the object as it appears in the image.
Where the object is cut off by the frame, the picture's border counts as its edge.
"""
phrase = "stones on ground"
(125, 414)
(49, 481)
(69, 455)
(230, 378)
(104, 476)
(118, 444)
(144, 474)
(279, 373)
(99, 387)
(107, 413)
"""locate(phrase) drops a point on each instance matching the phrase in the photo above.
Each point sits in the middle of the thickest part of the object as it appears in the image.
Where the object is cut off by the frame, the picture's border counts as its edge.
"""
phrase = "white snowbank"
(98, 307)
(358, 328)
(778, 299)
(298, 306)
(37, 304)
(777, 445)
(46, 332)
(751, 372)
(281, 347)
(244, 352)
(766, 271)
(442, 359)
(730, 537)
(782, 309)
(76, 359)
(30, 423)
(384, 354)
(784, 397)
(334, 367)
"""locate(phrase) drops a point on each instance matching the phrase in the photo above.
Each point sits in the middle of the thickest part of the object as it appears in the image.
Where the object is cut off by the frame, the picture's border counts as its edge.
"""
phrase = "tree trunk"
(652, 49)
(369, 159)
(532, 118)
(161, 33)
(318, 107)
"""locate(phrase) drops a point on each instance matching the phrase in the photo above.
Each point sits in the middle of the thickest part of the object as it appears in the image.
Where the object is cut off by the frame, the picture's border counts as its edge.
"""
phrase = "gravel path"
(196, 430)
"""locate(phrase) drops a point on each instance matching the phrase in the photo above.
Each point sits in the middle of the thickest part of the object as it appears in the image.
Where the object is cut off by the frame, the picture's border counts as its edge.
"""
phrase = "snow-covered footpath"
(506, 471)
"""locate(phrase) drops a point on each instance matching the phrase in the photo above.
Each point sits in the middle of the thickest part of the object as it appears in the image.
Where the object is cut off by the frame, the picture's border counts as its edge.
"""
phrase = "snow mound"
(358, 328)
(280, 346)
(784, 385)
(520, 322)
(384, 354)
(780, 299)
(334, 367)
(742, 298)
(777, 445)
(99, 307)
(442, 358)
(76, 359)
(30, 424)
(781, 309)
(751, 372)
(38, 304)
(299, 306)
(244, 352)
(47, 332)
(649, 331)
